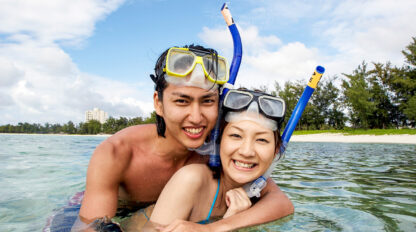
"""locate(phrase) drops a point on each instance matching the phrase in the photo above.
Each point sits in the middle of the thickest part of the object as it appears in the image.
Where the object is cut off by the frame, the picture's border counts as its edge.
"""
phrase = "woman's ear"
(276, 152)
(157, 103)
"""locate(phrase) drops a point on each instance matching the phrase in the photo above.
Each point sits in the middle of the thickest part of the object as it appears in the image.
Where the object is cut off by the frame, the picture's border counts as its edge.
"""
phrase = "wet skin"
(136, 163)
(247, 151)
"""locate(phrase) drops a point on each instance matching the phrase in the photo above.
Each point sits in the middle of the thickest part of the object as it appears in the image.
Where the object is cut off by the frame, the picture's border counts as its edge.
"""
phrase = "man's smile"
(194, 132)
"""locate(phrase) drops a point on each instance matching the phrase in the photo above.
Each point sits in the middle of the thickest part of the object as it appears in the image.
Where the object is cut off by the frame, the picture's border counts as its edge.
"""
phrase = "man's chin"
(195, 145)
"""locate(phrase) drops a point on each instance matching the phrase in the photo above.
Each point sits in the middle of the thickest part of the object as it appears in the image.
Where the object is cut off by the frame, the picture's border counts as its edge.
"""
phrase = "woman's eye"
(263, 140)
(235, 135)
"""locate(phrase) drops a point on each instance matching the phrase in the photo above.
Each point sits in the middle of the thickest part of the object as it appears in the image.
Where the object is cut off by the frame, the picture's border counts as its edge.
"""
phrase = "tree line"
(375, 96)
(111, 126)
(378, 97)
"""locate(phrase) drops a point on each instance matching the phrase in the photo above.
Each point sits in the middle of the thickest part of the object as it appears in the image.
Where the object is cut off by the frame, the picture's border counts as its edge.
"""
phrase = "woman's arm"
(273, 204)
(179, 196)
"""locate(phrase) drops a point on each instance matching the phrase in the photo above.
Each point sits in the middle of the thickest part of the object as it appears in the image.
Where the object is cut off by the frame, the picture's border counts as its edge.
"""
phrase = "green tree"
(90, 127)
(410, 111)
(135, 121)
(151, 119)
(406, 84)
(385, 112)
(358, 97)
(110, 126)
(69, 128)
(290, 94)
(328, 110)
(122, 123)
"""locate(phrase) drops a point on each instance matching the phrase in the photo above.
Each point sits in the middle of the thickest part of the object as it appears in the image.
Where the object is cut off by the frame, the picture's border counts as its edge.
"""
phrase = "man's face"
(190, 113)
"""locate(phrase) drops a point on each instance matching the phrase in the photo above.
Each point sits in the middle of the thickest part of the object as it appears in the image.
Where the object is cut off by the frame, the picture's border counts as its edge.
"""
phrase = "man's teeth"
(243, 165)
(193, 130)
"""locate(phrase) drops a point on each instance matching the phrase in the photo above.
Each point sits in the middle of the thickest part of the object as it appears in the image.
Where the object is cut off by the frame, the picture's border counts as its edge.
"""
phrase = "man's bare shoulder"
(134, 134)
(119, 147)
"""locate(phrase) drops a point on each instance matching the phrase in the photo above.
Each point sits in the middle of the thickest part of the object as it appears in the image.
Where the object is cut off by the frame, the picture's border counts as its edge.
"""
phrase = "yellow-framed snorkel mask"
(194, 67)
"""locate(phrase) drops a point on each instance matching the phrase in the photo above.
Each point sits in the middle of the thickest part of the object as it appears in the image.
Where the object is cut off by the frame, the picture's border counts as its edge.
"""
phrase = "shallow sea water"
(334, 186)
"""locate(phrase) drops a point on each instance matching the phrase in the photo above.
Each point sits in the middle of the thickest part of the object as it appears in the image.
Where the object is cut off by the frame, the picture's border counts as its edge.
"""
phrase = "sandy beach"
(340, 138)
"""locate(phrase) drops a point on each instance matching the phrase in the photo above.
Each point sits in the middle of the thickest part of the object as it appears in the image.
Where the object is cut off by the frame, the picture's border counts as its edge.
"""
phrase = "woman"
(250, 142)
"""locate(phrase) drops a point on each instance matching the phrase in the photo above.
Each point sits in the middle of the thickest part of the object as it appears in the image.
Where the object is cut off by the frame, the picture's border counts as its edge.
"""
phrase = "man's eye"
(209, 101)
(181, 101)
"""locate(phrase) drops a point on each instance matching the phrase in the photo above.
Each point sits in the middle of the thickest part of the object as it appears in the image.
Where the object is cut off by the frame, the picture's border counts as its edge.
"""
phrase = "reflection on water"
(39, 173)
(348, 187)
(334, 187)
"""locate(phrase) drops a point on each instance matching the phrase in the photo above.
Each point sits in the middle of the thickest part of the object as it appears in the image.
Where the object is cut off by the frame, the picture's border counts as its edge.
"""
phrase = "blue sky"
(60, 58)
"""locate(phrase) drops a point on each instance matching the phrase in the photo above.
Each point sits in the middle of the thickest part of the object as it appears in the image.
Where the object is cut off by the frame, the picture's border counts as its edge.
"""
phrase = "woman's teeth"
(243, 165)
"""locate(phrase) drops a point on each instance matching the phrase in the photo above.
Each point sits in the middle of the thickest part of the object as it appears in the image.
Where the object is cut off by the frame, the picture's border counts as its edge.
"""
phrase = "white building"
(96, 114)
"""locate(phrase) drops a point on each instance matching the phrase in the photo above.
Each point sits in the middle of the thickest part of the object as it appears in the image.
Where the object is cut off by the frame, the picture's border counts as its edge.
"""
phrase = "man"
(130, 168)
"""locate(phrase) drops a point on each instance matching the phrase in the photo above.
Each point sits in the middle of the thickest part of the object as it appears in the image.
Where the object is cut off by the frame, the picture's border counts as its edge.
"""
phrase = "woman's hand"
(184, 226)
(237, 201)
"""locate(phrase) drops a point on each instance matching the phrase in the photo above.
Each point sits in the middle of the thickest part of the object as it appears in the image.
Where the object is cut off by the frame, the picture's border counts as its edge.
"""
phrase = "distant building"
(96, 114)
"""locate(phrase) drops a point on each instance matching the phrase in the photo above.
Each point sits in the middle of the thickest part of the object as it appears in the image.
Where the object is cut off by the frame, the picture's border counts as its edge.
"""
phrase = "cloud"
(265, 58)
(39, 82)
(50, 21)
(336, 34)
(10, 74)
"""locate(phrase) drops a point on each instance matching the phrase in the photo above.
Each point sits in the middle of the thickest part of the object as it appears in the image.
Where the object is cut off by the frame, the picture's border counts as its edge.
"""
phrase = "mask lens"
(180, 62)
(271, 106)
(211, 68)
(237, 100)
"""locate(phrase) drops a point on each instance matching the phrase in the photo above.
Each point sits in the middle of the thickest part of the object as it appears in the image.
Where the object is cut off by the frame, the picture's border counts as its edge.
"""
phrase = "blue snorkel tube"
(300, 107)
(254, 188)
(214, 159)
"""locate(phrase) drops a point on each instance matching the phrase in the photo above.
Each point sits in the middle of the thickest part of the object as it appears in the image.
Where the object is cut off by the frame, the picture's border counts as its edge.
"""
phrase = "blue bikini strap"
(215, 199)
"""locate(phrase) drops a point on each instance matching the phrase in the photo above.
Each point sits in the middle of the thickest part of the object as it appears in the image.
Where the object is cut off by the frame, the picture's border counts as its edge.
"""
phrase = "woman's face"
(247, 150)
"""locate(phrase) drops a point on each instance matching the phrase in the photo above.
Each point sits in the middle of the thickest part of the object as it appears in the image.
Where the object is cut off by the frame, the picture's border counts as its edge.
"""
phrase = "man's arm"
(273, 204)
(103, 177)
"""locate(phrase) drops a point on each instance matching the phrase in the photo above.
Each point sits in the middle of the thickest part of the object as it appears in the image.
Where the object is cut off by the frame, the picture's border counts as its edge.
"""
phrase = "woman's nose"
(247, 148)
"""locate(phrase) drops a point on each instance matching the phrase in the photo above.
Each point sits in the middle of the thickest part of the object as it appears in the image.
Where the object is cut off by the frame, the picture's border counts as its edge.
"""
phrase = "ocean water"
(334, 186)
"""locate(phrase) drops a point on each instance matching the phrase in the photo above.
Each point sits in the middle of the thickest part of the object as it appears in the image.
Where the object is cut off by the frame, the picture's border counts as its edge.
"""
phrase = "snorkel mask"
(195, 67)
(264, 109)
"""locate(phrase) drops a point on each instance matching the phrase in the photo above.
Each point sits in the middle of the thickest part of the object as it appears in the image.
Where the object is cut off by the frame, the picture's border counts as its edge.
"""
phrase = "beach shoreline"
(340, 138)
(98, 135)
(319, 138)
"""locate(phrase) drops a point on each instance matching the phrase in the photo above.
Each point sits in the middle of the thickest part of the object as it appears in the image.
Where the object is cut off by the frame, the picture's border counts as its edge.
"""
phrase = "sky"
(60, 58)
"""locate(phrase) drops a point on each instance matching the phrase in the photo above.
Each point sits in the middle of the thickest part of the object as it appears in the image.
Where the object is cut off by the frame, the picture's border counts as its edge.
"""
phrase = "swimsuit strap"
(215, 199)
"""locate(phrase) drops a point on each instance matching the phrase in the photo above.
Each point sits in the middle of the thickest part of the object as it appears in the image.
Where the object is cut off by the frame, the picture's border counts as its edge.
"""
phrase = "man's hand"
(185, 226)
(237, 201)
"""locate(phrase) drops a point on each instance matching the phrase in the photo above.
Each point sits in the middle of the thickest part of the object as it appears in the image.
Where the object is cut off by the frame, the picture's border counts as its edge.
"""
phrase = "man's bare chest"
(145, 182)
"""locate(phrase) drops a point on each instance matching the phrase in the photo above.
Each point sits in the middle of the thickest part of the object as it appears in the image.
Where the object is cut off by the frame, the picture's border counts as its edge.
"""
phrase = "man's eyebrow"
(181, 95)
(210, 95)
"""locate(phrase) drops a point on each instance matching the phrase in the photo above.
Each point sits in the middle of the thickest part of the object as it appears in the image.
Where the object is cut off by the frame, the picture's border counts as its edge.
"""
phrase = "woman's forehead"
(249, 126)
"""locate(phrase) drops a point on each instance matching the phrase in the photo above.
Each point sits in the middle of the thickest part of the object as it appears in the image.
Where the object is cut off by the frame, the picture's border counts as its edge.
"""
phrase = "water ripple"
(334, 186)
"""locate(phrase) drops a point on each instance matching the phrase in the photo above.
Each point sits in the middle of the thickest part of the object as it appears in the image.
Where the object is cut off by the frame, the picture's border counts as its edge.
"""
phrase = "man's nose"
(195, 115)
